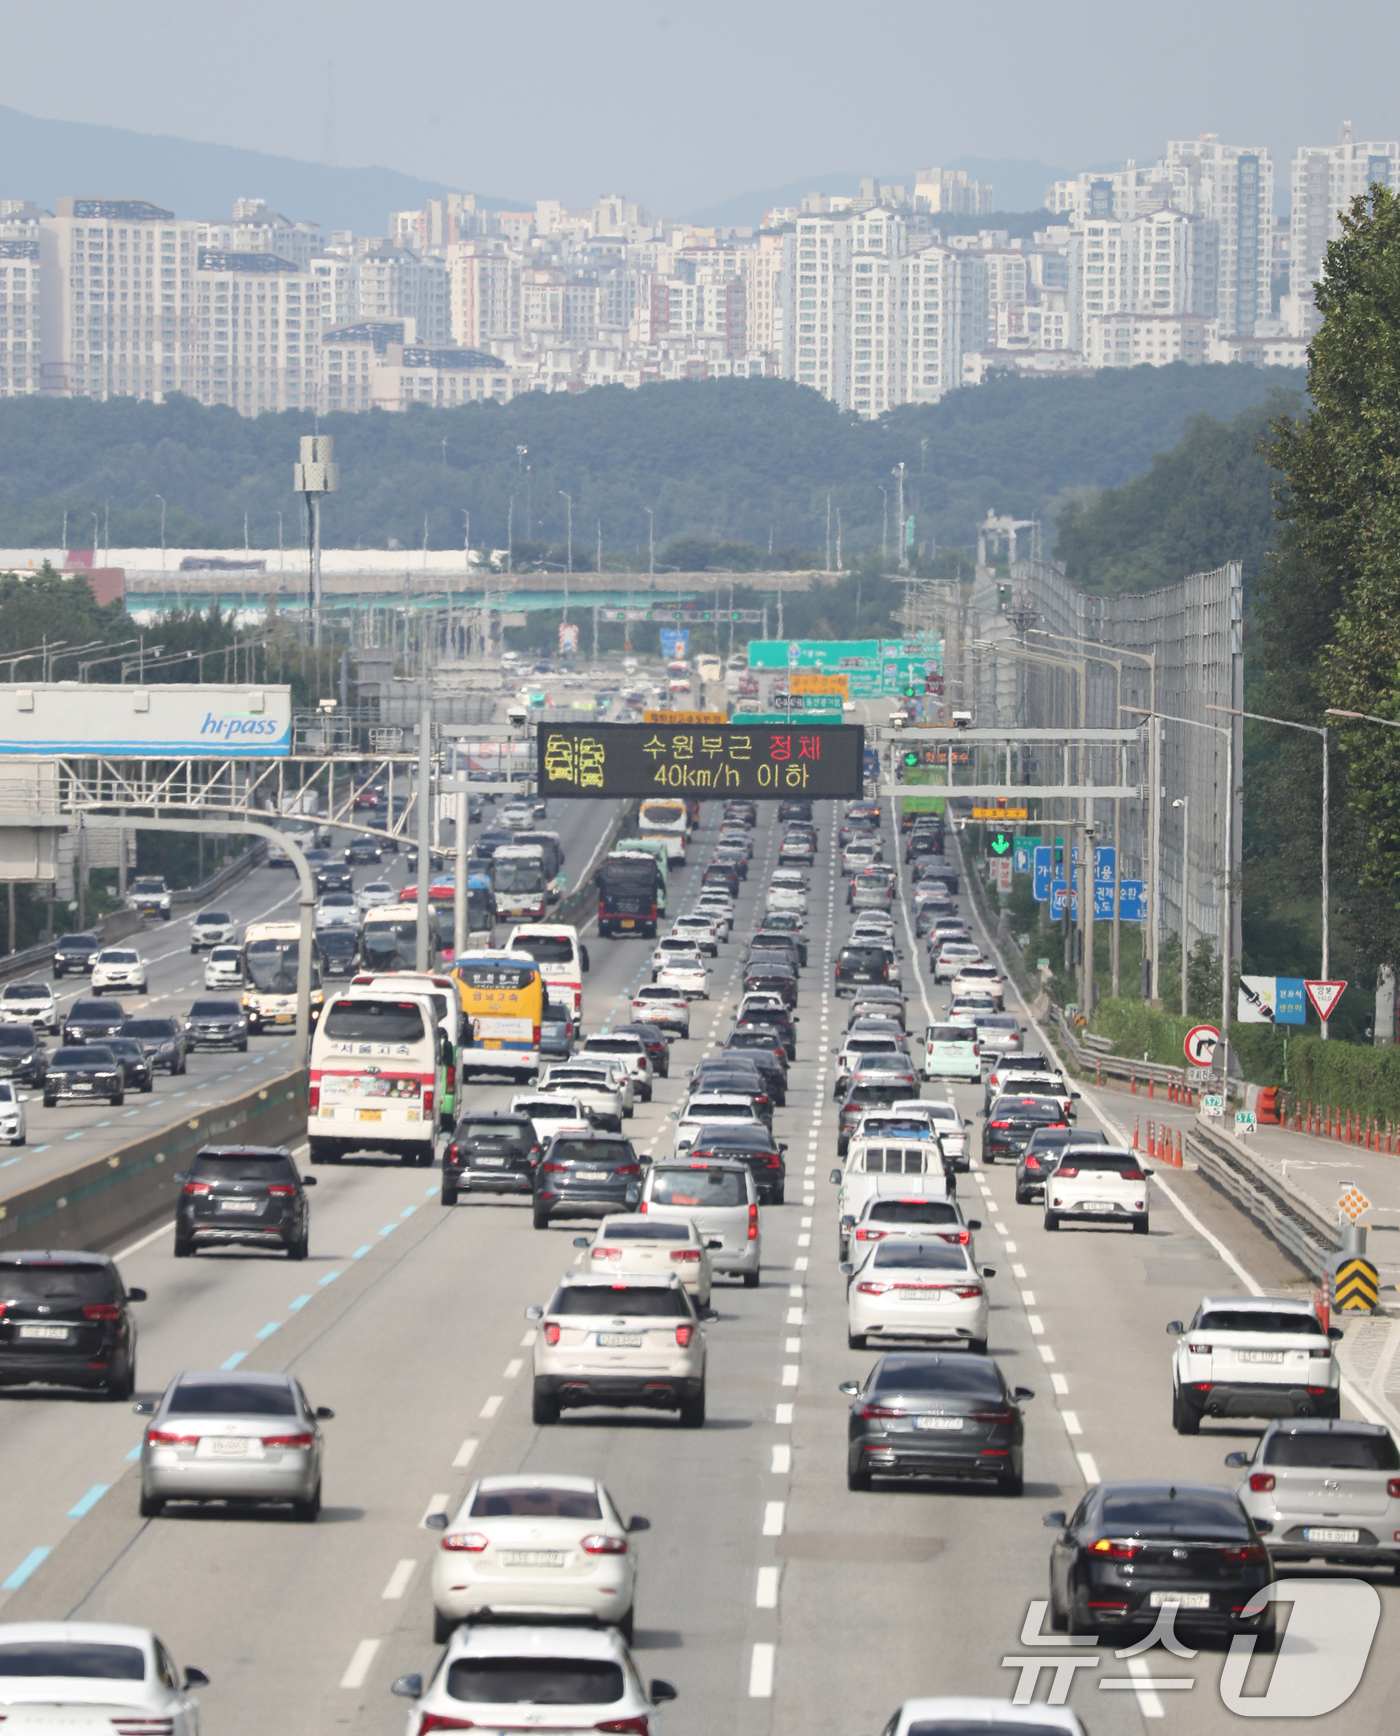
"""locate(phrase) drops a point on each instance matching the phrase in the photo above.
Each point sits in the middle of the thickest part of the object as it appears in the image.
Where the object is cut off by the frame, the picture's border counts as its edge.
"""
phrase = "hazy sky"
(679, 106)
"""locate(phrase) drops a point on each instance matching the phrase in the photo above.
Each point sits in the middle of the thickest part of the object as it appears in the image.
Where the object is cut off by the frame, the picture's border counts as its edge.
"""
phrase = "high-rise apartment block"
(1324, 181)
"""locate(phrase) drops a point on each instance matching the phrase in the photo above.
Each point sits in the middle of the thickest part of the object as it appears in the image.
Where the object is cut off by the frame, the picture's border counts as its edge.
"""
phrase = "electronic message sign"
(702, 761)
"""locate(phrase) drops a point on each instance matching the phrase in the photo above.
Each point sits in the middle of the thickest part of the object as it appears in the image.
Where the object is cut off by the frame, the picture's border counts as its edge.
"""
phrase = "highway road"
(775, 1599)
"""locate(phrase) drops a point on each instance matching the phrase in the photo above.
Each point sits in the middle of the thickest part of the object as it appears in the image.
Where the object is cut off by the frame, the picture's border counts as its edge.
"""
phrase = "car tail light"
(292, 1442)
(961, 1237)
(882, 1410)
(1131, 1175)
(454, 1154)
(1062, 1171)
(600, 1543)
(628, 1169)
(428, 1093)
(1199, 1349)
(281, 1190)
(606, 1254)
(438, 1721)
(554, 1169)
(1032, 1162)
(472, 1542)
(684, 1334)
(1245, 1552)
(101, 1311)
(753, 1223)
(638, 1726)
(313, 1101)
(551, 1332)
(1007, 1124)
(1317, 1391)
(1115, 1549)
(685, 1254)
(991, 1416)
(1261, 1482)
(966, 1292)
(1325, 1351)
(865, 1235)
(870, 1287)
(165, 1438)
(196, 1187)
(1392, 1488)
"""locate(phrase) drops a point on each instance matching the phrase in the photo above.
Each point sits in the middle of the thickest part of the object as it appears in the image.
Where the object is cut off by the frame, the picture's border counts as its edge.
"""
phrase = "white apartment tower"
(1232, 185)
(20, 322)
(484, 294)
(1325, 179)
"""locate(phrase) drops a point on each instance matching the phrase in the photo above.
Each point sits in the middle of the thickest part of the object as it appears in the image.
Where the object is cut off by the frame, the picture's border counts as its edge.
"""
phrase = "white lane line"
(528, 1340)
(1010, 1247)
(464, 1453)
(1060, 1385)
(794, 1316)
(361, 1660)
(492, 1405)
(1028, 1297)
(804, 1241)
(513, 1368)
(999, 1228)
(1036, 1324)
(398, 1580)
(1018, 1271)
(1046, 1354)
(782, 1459)
(766, 1596)
(806, 1224)
(801, 1263)
(792, 1347)
(1148, 1699)
(761, 1672)
(1071, 1422)
(438, 1504)
(789, 1374)
(146, 1240)
(795, 1290)
(782, 1416)
(1088, 1467)
(773, 1519)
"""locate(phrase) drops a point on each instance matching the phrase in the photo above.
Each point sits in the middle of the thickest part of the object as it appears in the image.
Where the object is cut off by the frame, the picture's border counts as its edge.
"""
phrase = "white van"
(952, 1052)
(377, 1078)
(561, 956)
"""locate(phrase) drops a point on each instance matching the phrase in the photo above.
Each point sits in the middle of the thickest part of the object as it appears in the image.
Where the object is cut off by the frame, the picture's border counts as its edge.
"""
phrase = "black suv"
(860, 966)
(775, 1019)
(65, 1321)
(764, 1157)
(76, 954)
(363, 852)
(794, 810)
(1013, 1120)
(765, 970)
(781, 942)
(214, 1024)
(785, 922)
(1042, 1154)
(333, 876)
(339, 950)
(762, 1045)
(586, 1175)
(23, 1057)
(246, 1194)
(91, 1070)
(494, 1153)
(93, 1021)
(163, 1040)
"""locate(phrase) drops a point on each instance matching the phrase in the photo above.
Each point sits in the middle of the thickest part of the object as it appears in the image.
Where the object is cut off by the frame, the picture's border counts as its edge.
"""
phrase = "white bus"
(377, 1078)
(519, 881)
(561, 956)
(665, 817)
(270, 975)
(709, 668)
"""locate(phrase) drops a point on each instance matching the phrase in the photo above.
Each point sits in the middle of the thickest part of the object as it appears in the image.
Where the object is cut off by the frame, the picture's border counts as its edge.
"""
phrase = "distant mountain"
(39, 159)
(1020, 184)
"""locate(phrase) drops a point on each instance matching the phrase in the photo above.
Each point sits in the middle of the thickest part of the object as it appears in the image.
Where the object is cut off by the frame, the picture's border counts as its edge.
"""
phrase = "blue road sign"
(1020, 861)
(1042, 866)
(1290, 1001)
(1104, 861)
(1057, 902)
(1132, 903)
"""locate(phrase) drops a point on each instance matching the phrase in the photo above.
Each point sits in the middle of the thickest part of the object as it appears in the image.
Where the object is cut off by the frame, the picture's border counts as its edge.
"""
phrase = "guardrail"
(1287, 1216)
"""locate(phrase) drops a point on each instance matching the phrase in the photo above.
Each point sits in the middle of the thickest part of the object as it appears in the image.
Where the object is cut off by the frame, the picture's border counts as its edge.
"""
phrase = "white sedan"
(917, 1290)
(29, 1004)
(224, 969)
(13, 1126)
(534, 1547)
(86, 1676)
(654, 1247)
(686, 974)
(337, 910)
(668, 1008)
(118, 967)
(373, 894)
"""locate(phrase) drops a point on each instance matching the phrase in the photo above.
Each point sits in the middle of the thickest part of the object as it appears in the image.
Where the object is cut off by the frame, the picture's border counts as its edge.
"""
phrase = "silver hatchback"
(241, 1438)
(1324, 1488)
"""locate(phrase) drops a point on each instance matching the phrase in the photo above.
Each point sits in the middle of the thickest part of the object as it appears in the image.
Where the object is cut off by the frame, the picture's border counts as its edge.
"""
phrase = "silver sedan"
(241, 1438)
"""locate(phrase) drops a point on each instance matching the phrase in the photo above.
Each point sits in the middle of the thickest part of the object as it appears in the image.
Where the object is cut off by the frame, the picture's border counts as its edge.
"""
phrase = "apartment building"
(1233, 187)
(953, 191)
(485, 301)
(1324, 179)
(397, 283)
(403, 375)
(255, 229)
(761, 266)
(1129, 339)
(21, 328)
(816, 286)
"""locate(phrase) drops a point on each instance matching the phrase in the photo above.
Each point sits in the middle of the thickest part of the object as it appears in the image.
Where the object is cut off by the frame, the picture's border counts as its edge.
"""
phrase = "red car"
(367, 799)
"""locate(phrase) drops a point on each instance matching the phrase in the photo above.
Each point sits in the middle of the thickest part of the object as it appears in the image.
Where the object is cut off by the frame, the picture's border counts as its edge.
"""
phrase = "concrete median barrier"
(99, 1203)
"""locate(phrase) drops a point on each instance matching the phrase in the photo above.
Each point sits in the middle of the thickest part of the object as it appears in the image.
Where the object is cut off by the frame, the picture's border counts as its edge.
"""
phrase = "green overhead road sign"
(1000, 843)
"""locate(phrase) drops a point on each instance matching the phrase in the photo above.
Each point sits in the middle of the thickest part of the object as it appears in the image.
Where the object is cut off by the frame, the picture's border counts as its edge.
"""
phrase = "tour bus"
(389, 938)
(667, 818)
(657, 850)
(270, 975)
(562, 959)
(377, 1077)
(552, 847)
(502, 996)
(442, 992)
(629, 891)
(518, 881)
(481, 911)
(709, 668)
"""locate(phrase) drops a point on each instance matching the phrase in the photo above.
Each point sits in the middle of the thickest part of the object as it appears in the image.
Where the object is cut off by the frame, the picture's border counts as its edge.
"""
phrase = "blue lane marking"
(8, 1161)
(360, 1253)
(268, 1330)
(25, 1568)
(134, 1454)
(39, 1148)
(429, 1192)
(77, 1135)
(388, 1229)
(128, 1112)
(90, 1500)
(408, 1211)
(104, 1124)
(330, 1278)
(298, 1302)
(234, 1360)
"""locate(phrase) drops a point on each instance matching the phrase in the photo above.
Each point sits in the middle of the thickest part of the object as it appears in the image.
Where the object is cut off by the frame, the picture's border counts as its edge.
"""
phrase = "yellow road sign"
(685, 717)
(1352, 1203)
(1001, 813)
(1356, 1286)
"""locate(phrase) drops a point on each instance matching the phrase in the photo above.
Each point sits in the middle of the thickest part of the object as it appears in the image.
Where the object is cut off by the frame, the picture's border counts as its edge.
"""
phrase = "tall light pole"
(651, 546)
(570, 558)
(903, 548)
(510, 533)
(1184, 803)
(161, 499)
(884, 523)
(828, 533)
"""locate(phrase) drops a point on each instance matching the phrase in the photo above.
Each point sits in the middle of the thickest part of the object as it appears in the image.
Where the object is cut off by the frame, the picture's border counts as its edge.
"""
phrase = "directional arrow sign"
(1324, 996)
(1000, 844)
(1200, 1045)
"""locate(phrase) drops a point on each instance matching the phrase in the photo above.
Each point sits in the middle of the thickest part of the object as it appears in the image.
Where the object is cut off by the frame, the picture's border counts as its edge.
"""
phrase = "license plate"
(232, 1445)
(1260, 1355)
(80, 1086)
(282, 1019)
(1329, 1534)
(591, 1175)
(1096, 1206)
(369, 1114)
(619, 1341)
(240, 1205)
(492, 1043)
(916, 1296)
(57, 1333)
(629, 922)
(532, 1558)
(938, 1422)
(491, 1162)
(1182, 1599)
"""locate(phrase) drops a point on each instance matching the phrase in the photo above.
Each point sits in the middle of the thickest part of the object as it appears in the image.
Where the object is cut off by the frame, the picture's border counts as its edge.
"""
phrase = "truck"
(629, 885)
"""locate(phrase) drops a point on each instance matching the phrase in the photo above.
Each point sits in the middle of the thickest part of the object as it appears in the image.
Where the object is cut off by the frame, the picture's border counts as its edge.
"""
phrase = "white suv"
(1104, 1183)
(604, 1343)
(1253, 1356)
(629, 1052)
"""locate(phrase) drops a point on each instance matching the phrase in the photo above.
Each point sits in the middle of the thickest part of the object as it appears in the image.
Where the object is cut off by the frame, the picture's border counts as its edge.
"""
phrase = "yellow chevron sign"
(1356, 1286)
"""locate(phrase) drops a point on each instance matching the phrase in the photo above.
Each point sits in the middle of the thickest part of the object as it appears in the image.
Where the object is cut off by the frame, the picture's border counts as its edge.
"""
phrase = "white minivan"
(377, 1077)
(721, 1200)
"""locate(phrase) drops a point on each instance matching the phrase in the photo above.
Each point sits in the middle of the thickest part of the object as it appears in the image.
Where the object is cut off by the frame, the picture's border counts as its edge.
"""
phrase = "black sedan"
(89, 1071)
(335, 877)
(763, 1045)
(23, 1057)
(339, 951)
(1012, 1122)
(137, 1071)
(765, 1023)
(765, 970)
(1041, 1156)
(1129, 1549)
(586, 1175)
(491, 1153)
(363, 852)
(65, 1321)
(164, 1041)
(76, 954)
(926, 1414)
(93, 1021)
(215, 1023)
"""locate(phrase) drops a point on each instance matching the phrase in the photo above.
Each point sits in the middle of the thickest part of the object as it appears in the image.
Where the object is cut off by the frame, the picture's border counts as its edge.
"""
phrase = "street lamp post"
(651, 546)
(884, 524)
(161, 499)
(899, 526)
(1184, 803)
(569, 567)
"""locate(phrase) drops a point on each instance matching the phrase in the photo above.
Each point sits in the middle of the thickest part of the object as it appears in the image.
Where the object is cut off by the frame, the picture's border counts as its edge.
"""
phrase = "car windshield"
(81, 1060)
(982, 1727)
(272, 968)
(73, 1659)
(148, 1028)
(697, 1186)
(884, 1061)
(125, 1048)
(16, 1037)
(1259, 1320)
(951, 1374)
(639, 1301)
(219, 916)
(535, 1681)
(149, 886)
(1027, 1109)
(592, 1153)
(954, 1034)
(64, 1285)
(612, 1045)
(922, 1256)
(535, 1501)
(79, 943)
(337, 940)
(496, 976)
(510, 875)
(108, 1012)
(214, 1010)
(745, 1137)
(1179, 1510)
(1334, 1451)
(224, 955)
(374, 1022)
(241, 1166)
(231, 1398)
(912, 1212)
(1113, 1163)
(547, 948)
(26, 992)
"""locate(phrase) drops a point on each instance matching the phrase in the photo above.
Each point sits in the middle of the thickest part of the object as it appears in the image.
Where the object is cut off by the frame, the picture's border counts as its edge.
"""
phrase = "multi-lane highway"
(774, 1598)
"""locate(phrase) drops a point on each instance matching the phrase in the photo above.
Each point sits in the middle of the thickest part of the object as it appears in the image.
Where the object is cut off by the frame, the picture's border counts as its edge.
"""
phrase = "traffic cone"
(1135, 1133)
